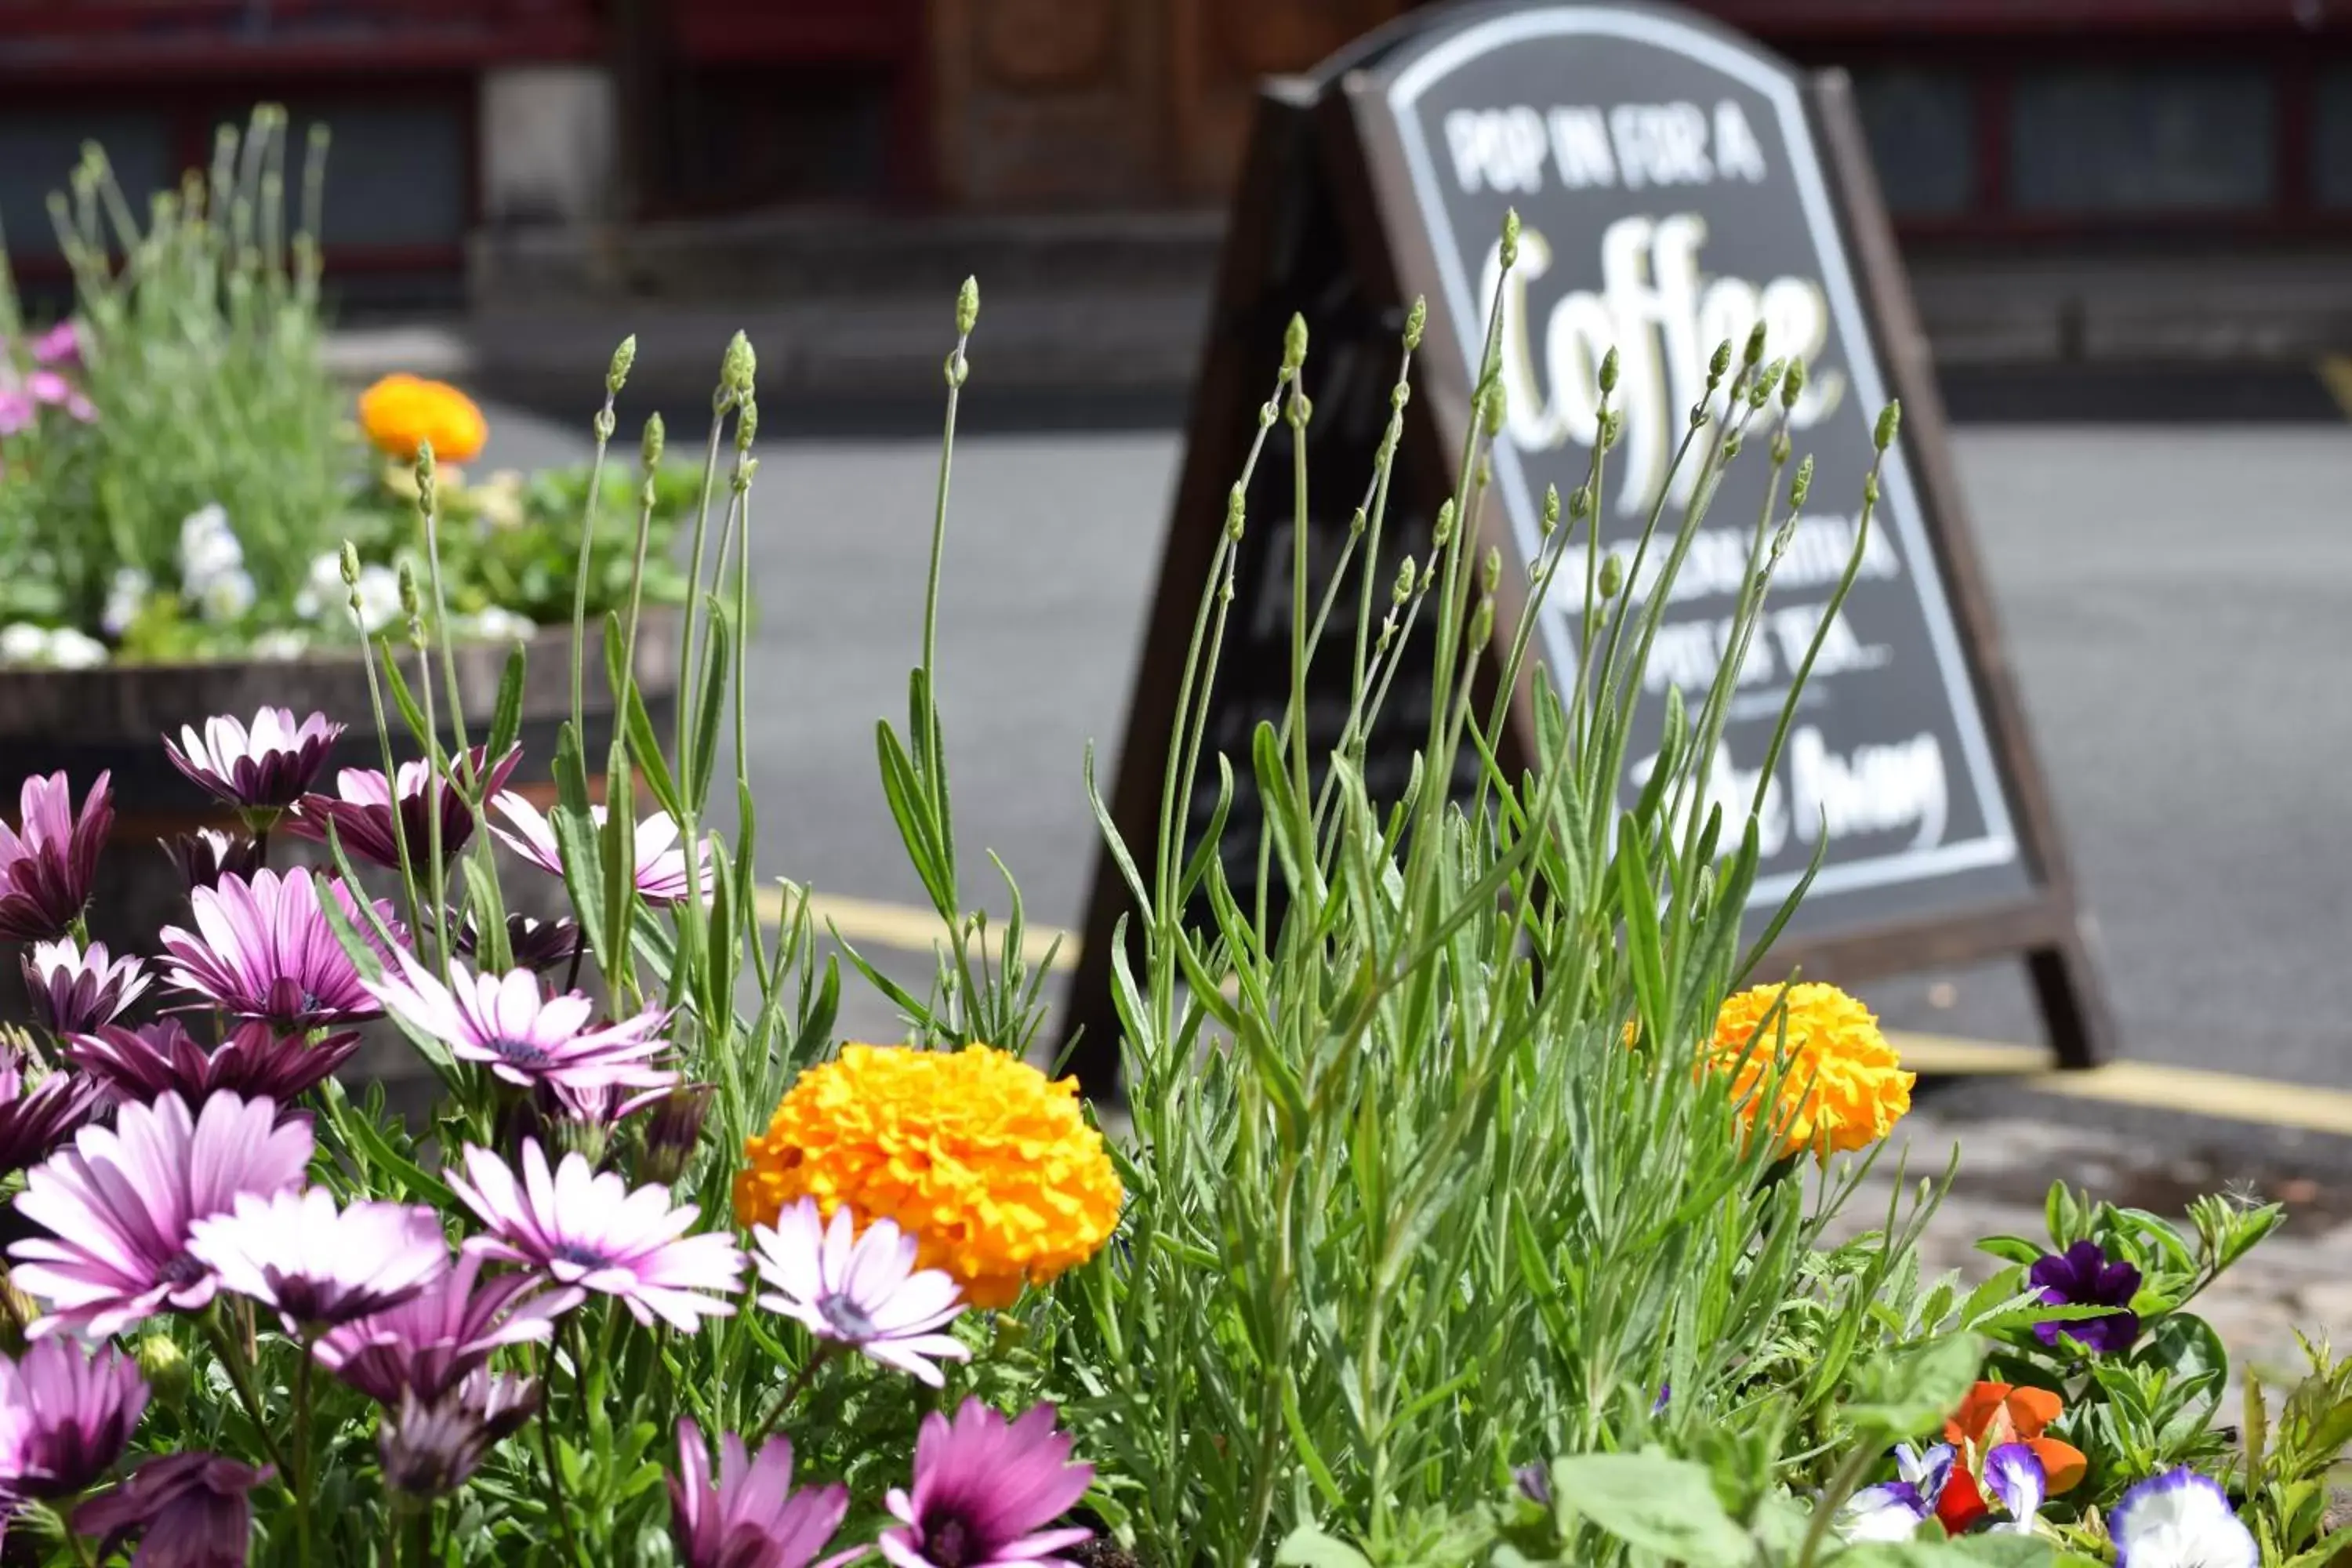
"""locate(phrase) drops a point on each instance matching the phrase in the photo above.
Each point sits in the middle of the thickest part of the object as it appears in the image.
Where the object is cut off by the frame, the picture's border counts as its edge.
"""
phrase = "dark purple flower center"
(848, 1319)
(948, 1543)
(519, 1053)
(575, 1252)
(181, 1272)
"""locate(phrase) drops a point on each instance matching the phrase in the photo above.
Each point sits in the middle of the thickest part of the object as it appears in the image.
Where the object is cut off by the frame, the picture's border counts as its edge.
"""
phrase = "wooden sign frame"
(1330, 136)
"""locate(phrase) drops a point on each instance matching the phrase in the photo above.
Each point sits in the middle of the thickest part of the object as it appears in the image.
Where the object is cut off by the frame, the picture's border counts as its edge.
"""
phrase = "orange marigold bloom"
(988, 1163)
(403, 412)
(1842, 1086)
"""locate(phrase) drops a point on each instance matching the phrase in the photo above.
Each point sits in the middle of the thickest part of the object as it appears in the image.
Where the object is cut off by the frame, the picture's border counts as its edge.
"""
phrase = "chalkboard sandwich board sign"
(1675, 184)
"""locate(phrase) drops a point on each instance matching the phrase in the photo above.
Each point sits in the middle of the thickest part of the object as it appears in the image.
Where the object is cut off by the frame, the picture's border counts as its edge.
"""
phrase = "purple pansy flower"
(2013, 1473)
(66, 1412)
(48, 862)
(318, 1264)
(1893, 1510)
(161, 1057)
(589, 1229)
(361, 810)
(863, 1291)
(2081, 1276)
(120, 1204)
(263, 949)
(522, 1036)
(188, 1511)
(986, 1493)
(2180, 1519)
(265, 767)
(73, 989)
(750, 1517)
(431, 1343)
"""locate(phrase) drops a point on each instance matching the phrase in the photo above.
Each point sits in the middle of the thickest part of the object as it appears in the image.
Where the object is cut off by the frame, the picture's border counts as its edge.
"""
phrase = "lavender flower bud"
(1482, 623)
(1510, 237)
(747, 425)
(1801, 485)
(165, 1367)
(1441, 533)
(1493, 572)
(1234, 506)
(1792, 384)
(1755, 355)
(739, 367)
(1717, 366)
(967, 307)
(1294, 344)
(408, 599)
(622, 358)
(1608, 372)
(1404, 581)
(351, 564)
(1612, 575)
(1416, 321)
(1890, 421)
(650, 449)
(1550, 508)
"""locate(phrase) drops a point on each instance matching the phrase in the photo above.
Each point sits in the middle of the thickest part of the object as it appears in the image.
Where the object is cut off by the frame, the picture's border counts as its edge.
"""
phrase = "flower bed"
(1474, 1213)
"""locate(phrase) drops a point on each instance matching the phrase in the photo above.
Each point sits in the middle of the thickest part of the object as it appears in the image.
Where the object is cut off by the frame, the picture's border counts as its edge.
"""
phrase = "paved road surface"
(2178, 605)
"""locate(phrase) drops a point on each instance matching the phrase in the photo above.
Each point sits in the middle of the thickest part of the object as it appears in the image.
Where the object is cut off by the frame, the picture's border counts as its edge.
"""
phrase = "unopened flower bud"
(1493, 568)
(602, 426)
(1612, 426)
(672, 1131)
(408, 599)
(1761, 393)
(425, 475)
(1416, 321)
(1870, 490)
(1890, 421)
(350, 565)
(747, 425)
(1399, 395)
(1441, 533)
(1792, 384)
(1550, 508)
(1782, 447)
(1294, 344)
(1801, 485)
(1579, 502)
(1492, 409)
(1608, 372)
(165, 1367)
(624, 357)
(739, 367)
(649, 449)
(1719, 365)
(1482, 623)
(967, 307)
(1612, 575)
(1235, 506)
(1357, 520)
(1404, 581)
(1755, 355)
(1510, 237)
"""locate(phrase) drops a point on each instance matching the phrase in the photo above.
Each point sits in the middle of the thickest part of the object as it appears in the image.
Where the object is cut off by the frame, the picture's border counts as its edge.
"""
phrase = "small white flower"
(21, 642)
(2180, 1519)
(322, 587)
(499, 624)
(71, 649)
(227, 596)
(281, 645)
(208, 547)
(125, 595)
(379, 595)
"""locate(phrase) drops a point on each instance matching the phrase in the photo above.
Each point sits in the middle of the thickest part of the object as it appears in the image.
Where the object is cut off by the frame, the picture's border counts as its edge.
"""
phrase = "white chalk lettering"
(1660, 144)
(1579, 148)
(1737, 154)
(1817, 553)
(1731, 790)
(1496, 149)
(1871, 789)
(1840, 651)
(1687, 653)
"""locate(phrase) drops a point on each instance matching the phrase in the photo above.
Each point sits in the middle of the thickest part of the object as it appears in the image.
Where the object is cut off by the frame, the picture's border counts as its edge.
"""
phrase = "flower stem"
(240, 1378)
(301, 1476)
(555, 1496)
(825, 1350)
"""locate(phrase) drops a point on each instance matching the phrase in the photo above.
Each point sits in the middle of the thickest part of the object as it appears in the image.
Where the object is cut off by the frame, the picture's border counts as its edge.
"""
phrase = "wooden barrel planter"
(114, 719)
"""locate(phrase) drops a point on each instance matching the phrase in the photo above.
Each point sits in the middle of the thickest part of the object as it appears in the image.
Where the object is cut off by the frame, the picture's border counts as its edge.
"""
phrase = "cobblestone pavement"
(2300, 1279)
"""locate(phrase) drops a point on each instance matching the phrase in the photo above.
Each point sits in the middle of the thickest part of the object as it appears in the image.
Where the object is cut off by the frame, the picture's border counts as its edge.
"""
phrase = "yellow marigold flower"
(403, 412)
(978, 1155)
(1842, 1086)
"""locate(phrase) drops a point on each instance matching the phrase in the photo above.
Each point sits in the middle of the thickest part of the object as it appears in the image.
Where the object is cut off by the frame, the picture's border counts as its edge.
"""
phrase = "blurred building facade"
(2006, 130)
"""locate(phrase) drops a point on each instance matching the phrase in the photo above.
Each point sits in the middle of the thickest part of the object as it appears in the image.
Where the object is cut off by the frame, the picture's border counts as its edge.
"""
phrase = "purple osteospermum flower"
(2180, 1519)
(985, 1490)
(66, 1414)
(205, 856)
(661, 872)
(432, 1342)
(430, 1449)
(589, 1230)
(750, 1518)
(363, 815)
(863, 1291)
(36, 1117)
(72, 990)
(263, 949)
(190, 1510)
(2082, 1276)
(317, 1264)
(265, 768)
(537, 945)
(255, 1060)
(47, 863)
(120, 1203)
(522, 1034)
(61, 344)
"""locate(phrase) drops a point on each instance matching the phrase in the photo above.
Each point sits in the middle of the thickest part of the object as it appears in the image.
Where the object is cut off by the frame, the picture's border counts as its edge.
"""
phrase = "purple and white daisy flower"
(2013, 1473)
(588, 1230)
(265, 767)
(188, 1511)
(986, 1491)
(205, 856)
(317, 1264)
(48, 861)
(161, 1057)
(361, 810)
(750, 1517)
(2081, 1276)
(431, 1448)
(432, 1342)
(524, 1036)
(863, 1291)
(73, 989)
(66, 1414)
(1891, 1511)
(263, 949)
(36, 1115)
(662, 876)
(120, 1205)
(537, 945)
(2180, 1519)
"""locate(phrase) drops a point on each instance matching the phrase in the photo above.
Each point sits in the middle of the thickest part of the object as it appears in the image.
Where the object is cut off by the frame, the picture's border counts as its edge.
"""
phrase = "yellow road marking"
(2336, 375)
(2229, 1096)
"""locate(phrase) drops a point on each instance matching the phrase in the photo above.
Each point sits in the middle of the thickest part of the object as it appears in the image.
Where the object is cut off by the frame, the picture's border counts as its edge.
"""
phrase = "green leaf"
(1997, 1548)
(646, 746)
(1653, 1503)
(2013, 1249)
(1904, 1394)
(711, 720)
(401, 698)
(1307, 1547)
(506, 718)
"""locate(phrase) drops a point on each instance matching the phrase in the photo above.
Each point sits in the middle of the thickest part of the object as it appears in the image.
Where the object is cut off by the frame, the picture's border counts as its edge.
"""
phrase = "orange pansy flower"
(1996, 1413)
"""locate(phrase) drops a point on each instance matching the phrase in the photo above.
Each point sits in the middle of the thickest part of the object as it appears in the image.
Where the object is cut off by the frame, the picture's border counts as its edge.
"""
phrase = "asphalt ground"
(2170, 559)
